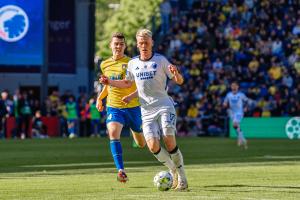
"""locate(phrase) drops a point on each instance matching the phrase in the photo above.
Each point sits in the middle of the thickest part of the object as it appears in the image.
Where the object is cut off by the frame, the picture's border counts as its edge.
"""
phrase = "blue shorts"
(130, 117)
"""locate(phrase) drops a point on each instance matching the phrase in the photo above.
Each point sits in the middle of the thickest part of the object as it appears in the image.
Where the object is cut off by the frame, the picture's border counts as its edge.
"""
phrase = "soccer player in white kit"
(150, 72)
(235, 103)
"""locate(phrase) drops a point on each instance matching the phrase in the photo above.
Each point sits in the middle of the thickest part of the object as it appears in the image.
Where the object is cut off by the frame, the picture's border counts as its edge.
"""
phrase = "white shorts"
(159, 124)
(236, 117)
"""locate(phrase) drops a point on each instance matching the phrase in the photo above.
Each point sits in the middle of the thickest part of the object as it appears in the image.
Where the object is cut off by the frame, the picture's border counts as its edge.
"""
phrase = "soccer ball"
(163, 181)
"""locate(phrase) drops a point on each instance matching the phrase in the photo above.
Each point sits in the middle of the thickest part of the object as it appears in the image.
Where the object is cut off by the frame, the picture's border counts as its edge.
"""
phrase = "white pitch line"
(175, 196)
(280, 157)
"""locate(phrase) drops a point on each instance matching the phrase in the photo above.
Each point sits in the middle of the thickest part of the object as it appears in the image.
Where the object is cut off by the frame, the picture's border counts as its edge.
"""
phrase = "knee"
(113, 134)
(235, 126)
(170, 142)
(170, 146)
(153, 148)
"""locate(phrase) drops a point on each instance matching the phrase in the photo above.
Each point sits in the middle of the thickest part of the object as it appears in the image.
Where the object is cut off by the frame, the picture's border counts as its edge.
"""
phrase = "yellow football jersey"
(116, 70)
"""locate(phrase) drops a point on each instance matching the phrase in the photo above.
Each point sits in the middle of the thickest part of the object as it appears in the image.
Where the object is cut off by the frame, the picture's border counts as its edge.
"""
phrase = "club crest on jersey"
(124, 66)
(154, 65)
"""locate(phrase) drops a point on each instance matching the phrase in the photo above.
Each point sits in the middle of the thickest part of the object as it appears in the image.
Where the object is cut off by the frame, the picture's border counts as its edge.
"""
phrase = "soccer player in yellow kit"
(123, 107)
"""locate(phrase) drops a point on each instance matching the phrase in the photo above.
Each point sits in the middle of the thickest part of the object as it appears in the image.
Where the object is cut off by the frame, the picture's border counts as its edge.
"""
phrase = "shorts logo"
(109, 116)
(14, 23)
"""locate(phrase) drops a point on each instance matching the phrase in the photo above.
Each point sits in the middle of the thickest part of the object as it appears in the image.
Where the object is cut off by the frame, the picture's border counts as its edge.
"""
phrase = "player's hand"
(103, 79)
(173, 69)
(127, 99)
(99, 105)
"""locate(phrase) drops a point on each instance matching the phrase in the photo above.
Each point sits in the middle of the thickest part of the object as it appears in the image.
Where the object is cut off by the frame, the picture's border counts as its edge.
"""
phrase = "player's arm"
(248, 103)
(225, 103)
(177, 76)
(128, 98)
(101, 96)
(115, 83)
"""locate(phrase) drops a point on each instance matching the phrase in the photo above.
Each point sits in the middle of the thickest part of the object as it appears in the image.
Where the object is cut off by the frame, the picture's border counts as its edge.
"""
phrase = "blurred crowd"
(78, 117)
(254, 42)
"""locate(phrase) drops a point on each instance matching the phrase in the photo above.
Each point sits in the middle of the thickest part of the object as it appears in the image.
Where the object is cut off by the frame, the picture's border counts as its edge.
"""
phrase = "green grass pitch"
(83, 169)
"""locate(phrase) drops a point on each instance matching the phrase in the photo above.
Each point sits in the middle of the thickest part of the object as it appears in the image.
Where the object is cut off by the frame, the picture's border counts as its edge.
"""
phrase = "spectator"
(296, 29)
(25, 112)
(192, 111)
(72, 117)
(275, 72)
(94, 118)
(287, 80)
(39, 129)
(62, 116)
(3, 113)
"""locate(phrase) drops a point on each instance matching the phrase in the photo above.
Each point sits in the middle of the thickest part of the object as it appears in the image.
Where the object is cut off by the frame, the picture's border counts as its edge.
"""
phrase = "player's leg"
(139, 139)
(161, 154)
(242, 136)
(114, 124)
(168, 126)
(151, 133)
(134, 118)
(236, 125)
(71, 128)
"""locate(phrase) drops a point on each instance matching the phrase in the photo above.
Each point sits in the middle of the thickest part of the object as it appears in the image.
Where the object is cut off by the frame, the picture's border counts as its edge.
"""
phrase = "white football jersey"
(236, 102)
(151, 78)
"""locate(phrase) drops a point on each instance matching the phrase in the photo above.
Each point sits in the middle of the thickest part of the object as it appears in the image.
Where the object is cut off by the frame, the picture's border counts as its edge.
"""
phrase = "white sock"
(241, 135)
(178, 161)
(164, 157)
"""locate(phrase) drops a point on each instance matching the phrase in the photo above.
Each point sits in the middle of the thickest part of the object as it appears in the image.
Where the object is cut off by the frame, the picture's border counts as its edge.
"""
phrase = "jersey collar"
(147, 59)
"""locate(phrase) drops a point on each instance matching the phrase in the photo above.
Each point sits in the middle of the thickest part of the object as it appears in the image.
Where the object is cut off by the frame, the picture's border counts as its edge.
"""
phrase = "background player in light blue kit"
(236, 102)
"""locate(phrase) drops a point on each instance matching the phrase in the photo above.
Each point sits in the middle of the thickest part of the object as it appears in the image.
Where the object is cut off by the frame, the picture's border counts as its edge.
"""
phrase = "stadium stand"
(214, 42)
(254, 42)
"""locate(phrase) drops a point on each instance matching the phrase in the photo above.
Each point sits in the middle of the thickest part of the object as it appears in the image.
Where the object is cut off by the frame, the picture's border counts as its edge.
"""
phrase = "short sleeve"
(129, 75)
(165, 65)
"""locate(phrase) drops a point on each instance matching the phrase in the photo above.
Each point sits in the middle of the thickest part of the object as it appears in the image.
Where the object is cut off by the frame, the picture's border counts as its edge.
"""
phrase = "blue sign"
(21, 33)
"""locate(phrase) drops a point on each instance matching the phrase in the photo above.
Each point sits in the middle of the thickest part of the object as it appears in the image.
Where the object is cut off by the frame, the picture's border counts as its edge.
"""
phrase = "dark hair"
(235, 82)
(118, 35)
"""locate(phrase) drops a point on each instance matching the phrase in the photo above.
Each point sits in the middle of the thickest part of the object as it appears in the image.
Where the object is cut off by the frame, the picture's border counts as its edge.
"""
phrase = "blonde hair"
(144, 33)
